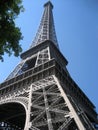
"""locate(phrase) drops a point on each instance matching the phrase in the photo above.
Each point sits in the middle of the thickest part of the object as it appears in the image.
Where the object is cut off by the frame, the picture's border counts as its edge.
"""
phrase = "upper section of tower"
(48, 4)
(46, 30)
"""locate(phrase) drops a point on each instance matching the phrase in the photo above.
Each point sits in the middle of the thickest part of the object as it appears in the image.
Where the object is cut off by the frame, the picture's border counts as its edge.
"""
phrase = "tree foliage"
(10, 34)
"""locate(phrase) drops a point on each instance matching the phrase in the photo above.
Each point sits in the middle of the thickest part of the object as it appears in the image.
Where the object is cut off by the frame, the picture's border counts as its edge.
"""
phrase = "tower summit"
(40, 94)
(46, 30)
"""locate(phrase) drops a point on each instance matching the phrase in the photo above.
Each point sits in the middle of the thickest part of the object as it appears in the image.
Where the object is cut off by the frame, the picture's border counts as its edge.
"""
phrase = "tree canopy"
(10, 34)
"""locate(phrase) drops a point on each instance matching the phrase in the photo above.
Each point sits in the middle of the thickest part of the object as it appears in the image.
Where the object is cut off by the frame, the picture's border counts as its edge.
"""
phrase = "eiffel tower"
(40, 93)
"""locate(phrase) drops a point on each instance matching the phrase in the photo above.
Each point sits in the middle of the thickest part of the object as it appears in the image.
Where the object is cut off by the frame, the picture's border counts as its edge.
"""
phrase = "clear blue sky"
(76, 23)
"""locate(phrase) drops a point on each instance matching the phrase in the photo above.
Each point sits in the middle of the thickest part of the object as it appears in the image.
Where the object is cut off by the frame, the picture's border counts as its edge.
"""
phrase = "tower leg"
(51, 109)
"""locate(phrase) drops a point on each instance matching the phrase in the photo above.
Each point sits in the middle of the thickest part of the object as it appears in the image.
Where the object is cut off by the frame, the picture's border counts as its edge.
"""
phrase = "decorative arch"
(14, 110)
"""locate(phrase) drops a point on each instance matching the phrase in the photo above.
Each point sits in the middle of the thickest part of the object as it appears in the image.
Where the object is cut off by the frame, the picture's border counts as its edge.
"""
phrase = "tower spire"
(46, 30)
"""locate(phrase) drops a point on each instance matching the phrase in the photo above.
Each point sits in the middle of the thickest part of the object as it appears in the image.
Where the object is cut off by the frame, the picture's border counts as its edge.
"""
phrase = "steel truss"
(48, 107)
(51, 109)
(40, 58)
(47, 104)
(43, 56)
(46, 30)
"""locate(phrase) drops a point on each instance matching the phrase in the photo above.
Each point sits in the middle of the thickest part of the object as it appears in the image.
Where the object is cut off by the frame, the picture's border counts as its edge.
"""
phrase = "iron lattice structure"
(40, 93)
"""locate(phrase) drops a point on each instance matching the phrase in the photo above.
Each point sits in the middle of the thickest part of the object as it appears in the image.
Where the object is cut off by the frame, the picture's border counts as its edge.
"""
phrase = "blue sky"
(76, 23)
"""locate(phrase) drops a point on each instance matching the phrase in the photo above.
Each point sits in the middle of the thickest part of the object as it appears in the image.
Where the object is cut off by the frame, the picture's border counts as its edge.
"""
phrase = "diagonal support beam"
(50, 126)
(72, 110)
(65, 124)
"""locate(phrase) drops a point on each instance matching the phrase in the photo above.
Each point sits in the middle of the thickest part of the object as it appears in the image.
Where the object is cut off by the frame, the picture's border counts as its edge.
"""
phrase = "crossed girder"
(49, 110)
(46, 106)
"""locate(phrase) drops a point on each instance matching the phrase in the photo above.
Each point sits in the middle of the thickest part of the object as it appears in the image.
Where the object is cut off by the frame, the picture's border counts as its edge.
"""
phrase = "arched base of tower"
(12, 115)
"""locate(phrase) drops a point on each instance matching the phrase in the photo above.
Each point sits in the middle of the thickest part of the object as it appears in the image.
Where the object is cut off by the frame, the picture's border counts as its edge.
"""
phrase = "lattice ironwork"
(46, 29)
(13, 107)
(42, 89)
(16, 70)
(48, 110)
(45, 32)
(48, 107)
(38, 59)
(52, 110)
(43, 56)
